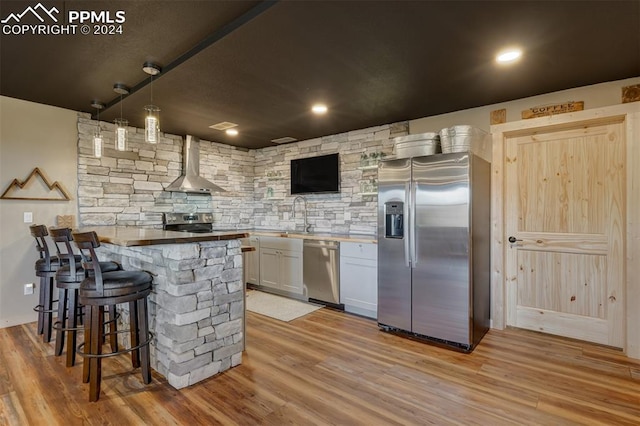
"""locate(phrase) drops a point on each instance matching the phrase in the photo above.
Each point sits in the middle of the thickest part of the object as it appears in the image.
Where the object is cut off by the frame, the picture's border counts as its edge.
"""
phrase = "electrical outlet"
(28, 289)
(28, 217)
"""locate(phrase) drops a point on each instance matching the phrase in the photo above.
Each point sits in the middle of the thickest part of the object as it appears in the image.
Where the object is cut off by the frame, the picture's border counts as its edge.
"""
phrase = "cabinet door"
(269, 267)
(291, 271)
(252, 265)
(359, 278)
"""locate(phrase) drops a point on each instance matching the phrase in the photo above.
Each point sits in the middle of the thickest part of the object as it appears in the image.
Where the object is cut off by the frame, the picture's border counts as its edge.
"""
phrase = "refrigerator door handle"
(406, 225)
(412, 225)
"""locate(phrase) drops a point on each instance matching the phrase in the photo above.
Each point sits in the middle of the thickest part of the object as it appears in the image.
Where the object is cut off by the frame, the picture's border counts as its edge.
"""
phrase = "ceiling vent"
(223, 125)
(286, 139)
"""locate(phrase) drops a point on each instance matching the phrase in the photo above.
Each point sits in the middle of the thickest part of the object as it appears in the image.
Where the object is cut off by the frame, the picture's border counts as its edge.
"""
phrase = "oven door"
(197, 228)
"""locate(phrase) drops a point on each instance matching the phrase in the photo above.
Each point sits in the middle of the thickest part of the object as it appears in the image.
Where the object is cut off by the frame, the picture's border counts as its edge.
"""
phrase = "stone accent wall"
(196, 308)
(347, 212)
(126, 188)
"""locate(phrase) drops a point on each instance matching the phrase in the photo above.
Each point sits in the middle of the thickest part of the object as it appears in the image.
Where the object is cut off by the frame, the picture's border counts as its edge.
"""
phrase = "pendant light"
(97, 136)
(152, 118)
(121, 123)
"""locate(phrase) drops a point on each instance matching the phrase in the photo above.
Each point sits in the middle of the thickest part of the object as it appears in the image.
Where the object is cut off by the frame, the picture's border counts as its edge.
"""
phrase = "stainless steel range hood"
(190, 180)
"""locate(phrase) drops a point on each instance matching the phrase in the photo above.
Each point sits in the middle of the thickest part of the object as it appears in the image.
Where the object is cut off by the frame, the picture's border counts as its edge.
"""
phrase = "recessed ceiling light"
(319, 109)
(232, 132)
(508, 55)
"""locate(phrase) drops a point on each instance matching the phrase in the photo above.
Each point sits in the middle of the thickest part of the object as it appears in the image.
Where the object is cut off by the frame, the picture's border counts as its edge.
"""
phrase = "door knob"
(513, 239)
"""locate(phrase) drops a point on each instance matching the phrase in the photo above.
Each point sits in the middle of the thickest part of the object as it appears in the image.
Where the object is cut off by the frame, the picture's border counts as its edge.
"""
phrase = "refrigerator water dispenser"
(394, 219)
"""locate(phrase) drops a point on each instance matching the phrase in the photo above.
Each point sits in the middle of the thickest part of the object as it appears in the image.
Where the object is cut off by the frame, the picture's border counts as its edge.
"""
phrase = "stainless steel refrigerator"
(434, 247)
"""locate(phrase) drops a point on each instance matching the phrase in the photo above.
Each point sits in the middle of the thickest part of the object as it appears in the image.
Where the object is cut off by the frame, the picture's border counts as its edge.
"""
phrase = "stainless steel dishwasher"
(321, 271)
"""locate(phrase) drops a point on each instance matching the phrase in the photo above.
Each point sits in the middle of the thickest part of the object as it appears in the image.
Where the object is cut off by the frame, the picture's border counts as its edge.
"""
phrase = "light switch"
(28, 217)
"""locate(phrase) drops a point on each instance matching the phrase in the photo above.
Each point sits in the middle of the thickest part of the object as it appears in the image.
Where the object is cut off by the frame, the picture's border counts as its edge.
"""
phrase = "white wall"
(595, 96)
(31, 135)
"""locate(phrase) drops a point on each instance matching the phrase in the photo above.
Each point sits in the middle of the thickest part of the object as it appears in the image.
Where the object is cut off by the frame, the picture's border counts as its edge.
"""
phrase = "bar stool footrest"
(42, 310)
(80, 351)
(57, 325)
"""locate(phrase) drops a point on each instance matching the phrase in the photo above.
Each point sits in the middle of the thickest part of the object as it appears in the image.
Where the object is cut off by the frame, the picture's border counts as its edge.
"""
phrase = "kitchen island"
(196, 307)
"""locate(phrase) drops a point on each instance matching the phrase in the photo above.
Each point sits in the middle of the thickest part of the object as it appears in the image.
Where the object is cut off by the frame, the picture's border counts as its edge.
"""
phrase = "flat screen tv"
(315, 175)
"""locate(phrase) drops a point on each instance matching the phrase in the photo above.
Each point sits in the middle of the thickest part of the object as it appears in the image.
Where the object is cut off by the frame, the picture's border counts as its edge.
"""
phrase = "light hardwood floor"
(333, 368)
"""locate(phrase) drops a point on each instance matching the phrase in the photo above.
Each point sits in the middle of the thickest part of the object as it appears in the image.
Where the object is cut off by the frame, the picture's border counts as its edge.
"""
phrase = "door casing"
(629, 115)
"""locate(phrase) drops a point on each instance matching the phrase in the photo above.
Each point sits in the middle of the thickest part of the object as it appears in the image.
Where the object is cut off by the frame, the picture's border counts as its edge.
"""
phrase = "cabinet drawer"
(281, 243)
(359, 250)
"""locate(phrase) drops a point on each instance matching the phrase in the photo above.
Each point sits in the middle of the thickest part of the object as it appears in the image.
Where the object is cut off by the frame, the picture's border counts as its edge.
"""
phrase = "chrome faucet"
(306, 225)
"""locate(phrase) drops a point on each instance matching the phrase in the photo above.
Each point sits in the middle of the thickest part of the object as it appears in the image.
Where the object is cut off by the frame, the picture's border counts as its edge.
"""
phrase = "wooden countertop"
(138, 236)
(351, 238)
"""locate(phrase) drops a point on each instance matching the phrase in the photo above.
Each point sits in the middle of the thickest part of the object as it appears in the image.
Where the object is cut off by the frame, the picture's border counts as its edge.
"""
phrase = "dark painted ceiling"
(372, 62)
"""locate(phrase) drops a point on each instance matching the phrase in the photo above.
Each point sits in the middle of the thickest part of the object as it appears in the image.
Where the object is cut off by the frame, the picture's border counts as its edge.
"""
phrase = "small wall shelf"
(271, 176)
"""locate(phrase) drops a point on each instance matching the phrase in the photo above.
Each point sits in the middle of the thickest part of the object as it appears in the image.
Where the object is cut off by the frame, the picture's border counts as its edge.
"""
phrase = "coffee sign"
(544, 110)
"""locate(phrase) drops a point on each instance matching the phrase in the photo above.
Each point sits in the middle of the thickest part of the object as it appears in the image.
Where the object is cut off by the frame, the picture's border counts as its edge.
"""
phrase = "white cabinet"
(269, 267)
(252, 261)
(281, 264)
(291, 271)
(359, 278)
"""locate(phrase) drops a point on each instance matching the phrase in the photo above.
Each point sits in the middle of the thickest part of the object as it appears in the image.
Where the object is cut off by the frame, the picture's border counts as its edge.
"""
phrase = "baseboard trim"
(23, 319)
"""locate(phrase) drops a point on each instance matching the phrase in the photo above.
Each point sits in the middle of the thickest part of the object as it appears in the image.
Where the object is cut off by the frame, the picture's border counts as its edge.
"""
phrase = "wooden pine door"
(565, 206)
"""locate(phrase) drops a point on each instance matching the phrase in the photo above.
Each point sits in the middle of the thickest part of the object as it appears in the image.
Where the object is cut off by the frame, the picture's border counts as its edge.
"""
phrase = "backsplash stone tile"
(126, 188)
(346, 212)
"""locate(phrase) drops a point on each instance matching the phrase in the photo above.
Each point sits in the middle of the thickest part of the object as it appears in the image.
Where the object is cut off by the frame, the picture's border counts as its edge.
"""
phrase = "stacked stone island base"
(196, 307)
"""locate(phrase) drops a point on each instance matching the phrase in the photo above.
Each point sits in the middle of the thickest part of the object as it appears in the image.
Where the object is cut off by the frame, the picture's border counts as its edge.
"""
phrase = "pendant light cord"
(98, 109)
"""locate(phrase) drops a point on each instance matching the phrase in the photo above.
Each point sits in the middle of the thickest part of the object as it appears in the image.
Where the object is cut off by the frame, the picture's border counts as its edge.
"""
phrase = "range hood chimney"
(190, 180)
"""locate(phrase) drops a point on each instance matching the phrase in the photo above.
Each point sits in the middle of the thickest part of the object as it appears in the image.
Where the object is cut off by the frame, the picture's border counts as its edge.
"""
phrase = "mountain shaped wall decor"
(16, 185)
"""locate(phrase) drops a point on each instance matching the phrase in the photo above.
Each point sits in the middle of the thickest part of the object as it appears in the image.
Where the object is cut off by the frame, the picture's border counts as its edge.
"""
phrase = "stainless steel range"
(188, 222)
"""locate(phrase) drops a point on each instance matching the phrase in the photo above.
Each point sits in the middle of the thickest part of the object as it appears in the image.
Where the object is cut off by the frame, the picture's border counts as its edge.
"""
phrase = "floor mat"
(278, 307)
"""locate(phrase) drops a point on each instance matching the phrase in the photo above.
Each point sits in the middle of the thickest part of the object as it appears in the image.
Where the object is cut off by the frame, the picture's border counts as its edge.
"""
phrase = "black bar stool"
(46, 267)
(106, 289)
(68, 278)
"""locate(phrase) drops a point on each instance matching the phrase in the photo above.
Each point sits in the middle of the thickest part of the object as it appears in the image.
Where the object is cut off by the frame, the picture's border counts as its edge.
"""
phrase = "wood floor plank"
(579, 413)
(624, 405)
(11, 411)
(587, 365)
(330, 368)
